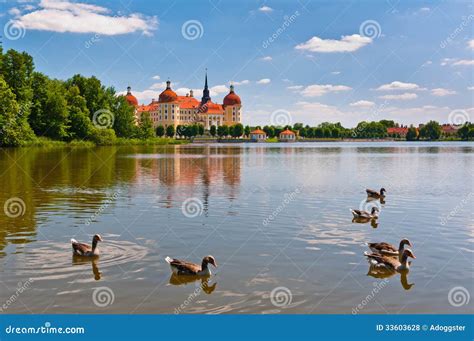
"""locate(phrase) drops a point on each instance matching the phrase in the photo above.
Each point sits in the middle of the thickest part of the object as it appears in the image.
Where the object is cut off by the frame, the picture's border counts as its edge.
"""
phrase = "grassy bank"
(48, 143)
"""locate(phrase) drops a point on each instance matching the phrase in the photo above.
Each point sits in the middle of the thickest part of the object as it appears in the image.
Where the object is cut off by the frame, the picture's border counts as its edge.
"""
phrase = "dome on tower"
(132, 100)
(232, 98)
(168, 95)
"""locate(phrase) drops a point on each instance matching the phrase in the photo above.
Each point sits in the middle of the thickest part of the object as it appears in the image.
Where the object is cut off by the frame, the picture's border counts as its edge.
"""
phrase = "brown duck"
(86, 250)
(374, 194)
(391, 263)
(180, 267)
(389, 249)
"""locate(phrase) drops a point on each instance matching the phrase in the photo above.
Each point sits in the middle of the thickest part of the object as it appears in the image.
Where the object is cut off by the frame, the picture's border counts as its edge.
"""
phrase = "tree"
(160, 130)
(180, 130)
(318, 132)
(412, 134)
(237, 130)
(14, 127)
(335, 132)
(103, 137)
(269, 130)
(431, 130)
(222, 131)
(170, 130)
(145, 126)
(80, 125)
(124, 118)
(55, 106)
(463, 132)
(17, 71)
(213, 130)
(200, 129)
(247, 130)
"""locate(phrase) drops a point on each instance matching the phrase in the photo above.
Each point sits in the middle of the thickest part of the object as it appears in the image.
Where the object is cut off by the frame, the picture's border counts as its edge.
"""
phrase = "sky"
(290, 61)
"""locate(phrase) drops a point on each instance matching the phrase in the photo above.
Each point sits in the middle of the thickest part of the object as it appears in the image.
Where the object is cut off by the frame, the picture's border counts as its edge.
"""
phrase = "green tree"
(170, 130)
(55, 106)
(431, 130)
(463, 132)
(326, 132)
(412, 134)
(145, 126)
(269, 130)
(160, 130)
(335, 132)
(80, 124)
(200, 129)
(237, 130)
(222, 131)
(17, 71)
(213, 130)
(247, 130)
(124, 118)
(103, 137)
(14, 127)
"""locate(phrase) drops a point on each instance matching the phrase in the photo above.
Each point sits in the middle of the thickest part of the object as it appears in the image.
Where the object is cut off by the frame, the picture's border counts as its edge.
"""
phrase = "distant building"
(258, 135)
(171, 109)
(449, 129)
(398, 131)
(287, 136)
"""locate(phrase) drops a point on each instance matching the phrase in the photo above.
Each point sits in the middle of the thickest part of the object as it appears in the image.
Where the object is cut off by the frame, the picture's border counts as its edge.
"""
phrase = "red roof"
(258, 131)
(232, 98)
(397, 130)
(211, 108)
(132, 100)
(448, 129)
(187, 102)
(287, 132)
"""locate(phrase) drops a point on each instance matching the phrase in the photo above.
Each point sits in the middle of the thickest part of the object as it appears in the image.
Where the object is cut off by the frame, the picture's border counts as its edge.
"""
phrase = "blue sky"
(290, 61)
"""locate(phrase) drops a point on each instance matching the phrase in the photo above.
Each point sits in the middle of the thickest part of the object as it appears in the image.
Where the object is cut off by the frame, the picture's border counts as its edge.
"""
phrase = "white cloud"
(440, 92)
(425, 64)
(470, 88)
(156, 77)
(402, 97)
(456, 62)
(266, 58)
(470, 44)
(14, 11)
(265, 9)
(346, 44)
(425, 9)
(317, 90)
(219, 89)
(295, 87)
(396, 85)
(336, 72)
(264, 81)
(244, 82)
(362, 104)
(160, 86)
(464, 62)
(65, 16)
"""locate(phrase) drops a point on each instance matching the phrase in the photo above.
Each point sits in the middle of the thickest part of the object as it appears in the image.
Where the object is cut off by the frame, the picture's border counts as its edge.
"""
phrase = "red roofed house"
(287, 136)
(171, 109)
(400, 131)
(449, 129)
(258, 135)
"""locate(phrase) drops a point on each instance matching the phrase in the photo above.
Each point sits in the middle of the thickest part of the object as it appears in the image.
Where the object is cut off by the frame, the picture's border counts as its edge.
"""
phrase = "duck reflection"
(184, 280)
(361, 220)
(378, 272)
(79, 260)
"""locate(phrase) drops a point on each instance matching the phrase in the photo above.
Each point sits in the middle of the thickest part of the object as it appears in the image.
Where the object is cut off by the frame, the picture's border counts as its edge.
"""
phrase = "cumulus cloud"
(470, 88)
(65, 16)
(266, 58)
(295, 87)
(345, 44)
(265, 9)
(470, 44)
(317, 90)
(362, 104)
(396, 85)
(264, 81)
(156, 77)
(440, 92)
(402, 97)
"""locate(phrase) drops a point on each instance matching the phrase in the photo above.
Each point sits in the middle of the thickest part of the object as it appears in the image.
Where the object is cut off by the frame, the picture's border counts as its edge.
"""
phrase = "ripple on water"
(54, 261)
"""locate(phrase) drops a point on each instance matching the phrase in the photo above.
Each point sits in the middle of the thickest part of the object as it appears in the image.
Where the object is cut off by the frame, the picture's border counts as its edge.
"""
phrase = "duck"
(179, 267)
(374, 194)
(359, 214)
(85, 250)
(388, 249)
(391, 263)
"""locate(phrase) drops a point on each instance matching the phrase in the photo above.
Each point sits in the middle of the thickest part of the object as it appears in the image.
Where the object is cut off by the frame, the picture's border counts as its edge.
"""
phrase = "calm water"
(272, 215)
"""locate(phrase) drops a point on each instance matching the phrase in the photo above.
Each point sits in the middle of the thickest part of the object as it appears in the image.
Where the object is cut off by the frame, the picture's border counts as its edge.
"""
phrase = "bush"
(103, 137)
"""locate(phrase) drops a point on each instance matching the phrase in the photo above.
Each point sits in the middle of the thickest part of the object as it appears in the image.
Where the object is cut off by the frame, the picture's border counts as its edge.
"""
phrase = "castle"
(171, 109)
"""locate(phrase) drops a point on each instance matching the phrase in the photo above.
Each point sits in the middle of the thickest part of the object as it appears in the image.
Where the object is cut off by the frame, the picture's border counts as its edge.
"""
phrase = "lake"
(275, 217)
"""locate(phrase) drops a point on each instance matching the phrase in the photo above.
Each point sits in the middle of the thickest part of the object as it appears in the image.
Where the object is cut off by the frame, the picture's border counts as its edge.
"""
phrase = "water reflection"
(362, 220)
(78, 260)
(378, 272)
(185, 280)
